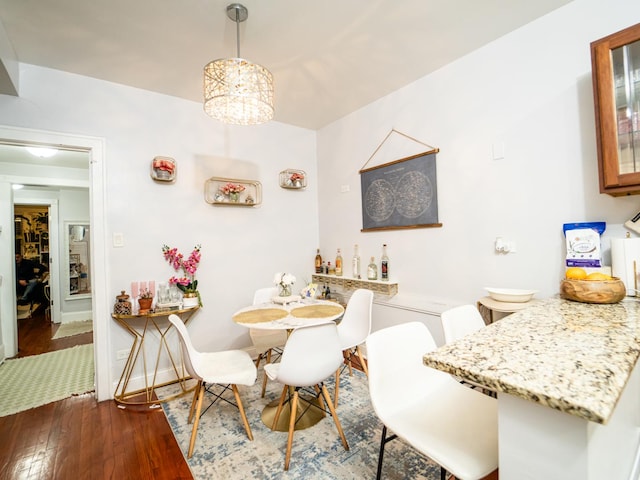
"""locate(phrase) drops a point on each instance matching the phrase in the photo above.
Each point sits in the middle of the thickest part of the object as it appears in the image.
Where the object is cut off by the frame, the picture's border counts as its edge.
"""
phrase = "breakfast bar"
(568, 387)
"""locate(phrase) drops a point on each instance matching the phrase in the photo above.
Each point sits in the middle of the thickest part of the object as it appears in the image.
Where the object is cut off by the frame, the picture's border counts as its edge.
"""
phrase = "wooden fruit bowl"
(593, 291)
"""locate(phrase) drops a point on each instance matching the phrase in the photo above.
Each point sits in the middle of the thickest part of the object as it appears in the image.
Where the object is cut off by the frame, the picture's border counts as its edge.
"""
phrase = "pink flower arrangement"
(187, 283)
(232, 188)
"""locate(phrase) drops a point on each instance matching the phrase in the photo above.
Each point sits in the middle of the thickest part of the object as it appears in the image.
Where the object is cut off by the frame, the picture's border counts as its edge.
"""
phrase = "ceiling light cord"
(238, 32)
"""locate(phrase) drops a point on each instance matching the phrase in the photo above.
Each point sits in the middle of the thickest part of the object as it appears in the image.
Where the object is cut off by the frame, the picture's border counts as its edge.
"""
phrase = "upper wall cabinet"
(616, 87)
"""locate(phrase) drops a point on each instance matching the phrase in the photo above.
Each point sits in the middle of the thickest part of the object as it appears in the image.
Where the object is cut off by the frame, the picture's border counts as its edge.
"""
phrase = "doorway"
(31, 233)
(94, 148)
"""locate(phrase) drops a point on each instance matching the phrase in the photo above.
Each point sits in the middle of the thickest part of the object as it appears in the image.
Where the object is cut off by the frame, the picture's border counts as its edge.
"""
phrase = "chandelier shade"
(237, 91)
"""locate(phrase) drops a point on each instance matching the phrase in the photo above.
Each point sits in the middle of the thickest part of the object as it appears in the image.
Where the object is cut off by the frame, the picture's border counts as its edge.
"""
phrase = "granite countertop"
(570, 356)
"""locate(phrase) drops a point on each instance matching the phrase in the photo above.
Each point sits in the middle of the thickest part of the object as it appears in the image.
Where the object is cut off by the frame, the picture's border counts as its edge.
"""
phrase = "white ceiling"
(328, 57)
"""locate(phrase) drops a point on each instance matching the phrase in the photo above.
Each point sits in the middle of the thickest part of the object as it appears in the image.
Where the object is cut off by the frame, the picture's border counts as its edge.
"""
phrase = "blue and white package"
(583, 244)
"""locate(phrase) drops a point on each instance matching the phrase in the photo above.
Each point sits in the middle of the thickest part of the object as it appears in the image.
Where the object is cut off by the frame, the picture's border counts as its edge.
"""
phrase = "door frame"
(95, 147)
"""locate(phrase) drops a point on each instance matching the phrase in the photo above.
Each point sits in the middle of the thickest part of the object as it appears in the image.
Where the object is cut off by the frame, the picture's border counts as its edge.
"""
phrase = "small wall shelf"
(224, 192)
(293, 179)
(376, 286)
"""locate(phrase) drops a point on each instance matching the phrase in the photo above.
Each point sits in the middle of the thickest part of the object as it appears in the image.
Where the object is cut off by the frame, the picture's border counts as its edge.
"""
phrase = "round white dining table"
(273, 316)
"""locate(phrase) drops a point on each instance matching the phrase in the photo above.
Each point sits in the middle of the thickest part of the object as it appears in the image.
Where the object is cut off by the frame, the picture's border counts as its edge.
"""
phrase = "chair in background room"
(460, 321)
(228, 368)
(266, 342)
(311, 355)
(353, 330)
(453, 425)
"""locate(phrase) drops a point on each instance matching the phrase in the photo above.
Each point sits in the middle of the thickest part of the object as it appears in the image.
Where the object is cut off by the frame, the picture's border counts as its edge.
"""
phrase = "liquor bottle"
(332, 270)
(384, 264)
(318, 262)
(339, 264)
(323, 268)
(355, 264)
(372, 270)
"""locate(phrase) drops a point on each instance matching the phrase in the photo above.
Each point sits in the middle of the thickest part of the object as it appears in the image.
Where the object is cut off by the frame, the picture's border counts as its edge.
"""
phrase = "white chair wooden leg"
(363, 364)
(196, 421)
(292, 424)
(335, 395)
(327, 397)
(242, 414)
(279, 409)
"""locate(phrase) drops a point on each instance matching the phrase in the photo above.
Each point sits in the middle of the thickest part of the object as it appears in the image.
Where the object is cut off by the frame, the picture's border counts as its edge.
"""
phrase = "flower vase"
(190, 300)
(234, 197)
(285, 290)
(145, 305)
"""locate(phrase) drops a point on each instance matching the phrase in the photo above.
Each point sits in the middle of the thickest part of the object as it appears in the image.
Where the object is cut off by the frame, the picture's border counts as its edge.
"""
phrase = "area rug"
(24, 311)
(223, 450)
(40, 379)
(73, 328)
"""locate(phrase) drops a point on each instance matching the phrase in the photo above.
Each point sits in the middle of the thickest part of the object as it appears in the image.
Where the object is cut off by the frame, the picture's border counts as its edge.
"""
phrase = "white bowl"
(512, 295)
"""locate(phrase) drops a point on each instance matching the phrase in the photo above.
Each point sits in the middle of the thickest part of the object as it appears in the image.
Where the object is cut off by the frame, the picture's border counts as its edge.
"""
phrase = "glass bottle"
(318, 262)
(355, 264)
(332, 270)
(384, 264)
(372, 270)
(339, 264)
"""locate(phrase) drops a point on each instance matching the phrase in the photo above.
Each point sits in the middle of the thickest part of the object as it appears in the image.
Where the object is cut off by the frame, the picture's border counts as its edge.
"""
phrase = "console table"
(140, 326)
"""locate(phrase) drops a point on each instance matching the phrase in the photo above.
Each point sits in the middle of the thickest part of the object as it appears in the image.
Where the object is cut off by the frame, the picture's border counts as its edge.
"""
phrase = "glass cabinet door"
(626, 75)
(616, 83)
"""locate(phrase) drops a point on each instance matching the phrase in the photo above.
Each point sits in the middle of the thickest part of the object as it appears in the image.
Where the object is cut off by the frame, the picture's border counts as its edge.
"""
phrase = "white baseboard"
(68, 317)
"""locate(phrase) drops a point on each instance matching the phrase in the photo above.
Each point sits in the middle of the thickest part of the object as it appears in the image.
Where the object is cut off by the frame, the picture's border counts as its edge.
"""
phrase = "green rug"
(30, 382)
(73, 328)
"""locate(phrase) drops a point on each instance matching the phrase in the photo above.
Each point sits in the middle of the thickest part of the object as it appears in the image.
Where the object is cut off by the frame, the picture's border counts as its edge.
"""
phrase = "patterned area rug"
(40, 379)
(73, 328)
(223, 450)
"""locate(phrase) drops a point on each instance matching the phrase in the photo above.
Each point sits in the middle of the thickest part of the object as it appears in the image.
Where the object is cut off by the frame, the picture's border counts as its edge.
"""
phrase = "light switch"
(497, 150)
(118, 240)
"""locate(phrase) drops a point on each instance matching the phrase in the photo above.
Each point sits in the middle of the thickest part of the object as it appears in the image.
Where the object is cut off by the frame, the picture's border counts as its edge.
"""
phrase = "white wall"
(531, 90)
(241, 247)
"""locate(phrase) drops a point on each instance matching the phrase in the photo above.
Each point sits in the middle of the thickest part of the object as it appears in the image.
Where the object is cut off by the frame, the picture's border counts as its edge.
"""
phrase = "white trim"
(101, 321)
(70, 317)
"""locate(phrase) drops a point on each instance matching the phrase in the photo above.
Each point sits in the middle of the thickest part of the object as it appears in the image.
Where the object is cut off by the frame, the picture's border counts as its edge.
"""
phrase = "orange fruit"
(598, 276)
(576, 273)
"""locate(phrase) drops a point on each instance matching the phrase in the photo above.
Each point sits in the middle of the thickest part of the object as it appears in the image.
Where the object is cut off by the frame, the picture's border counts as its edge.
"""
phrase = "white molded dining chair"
(453, 425)
(460, 321)
(311, 355)
(266, 342)
(353, 330)
(225, 368)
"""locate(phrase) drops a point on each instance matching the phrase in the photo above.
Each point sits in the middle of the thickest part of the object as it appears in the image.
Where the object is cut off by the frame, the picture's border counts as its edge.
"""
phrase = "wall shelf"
(376, 286)
(216, 192)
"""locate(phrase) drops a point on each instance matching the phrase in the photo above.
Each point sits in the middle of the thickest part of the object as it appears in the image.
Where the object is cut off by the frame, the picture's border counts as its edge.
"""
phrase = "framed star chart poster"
(400, 194)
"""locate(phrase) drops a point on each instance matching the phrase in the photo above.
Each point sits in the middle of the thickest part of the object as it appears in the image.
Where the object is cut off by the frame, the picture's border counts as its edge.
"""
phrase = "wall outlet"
(122, 354)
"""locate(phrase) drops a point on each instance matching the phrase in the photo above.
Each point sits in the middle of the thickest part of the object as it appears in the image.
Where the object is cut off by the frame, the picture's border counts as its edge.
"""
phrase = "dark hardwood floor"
(80, 438)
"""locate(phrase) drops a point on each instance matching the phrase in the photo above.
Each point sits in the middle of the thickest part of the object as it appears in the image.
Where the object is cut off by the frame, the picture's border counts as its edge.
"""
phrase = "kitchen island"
(568, 388)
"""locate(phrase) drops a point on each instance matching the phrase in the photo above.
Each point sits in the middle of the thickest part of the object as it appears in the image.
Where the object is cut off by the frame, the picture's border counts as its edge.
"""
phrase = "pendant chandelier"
(237, 91)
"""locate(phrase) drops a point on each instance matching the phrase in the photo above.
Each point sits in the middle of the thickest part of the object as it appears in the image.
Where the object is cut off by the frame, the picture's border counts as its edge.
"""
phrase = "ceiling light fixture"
(42, 152)
(237, 91)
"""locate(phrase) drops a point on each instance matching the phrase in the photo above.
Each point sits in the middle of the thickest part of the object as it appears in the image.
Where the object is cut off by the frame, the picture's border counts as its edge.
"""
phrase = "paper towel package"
(625, 262)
